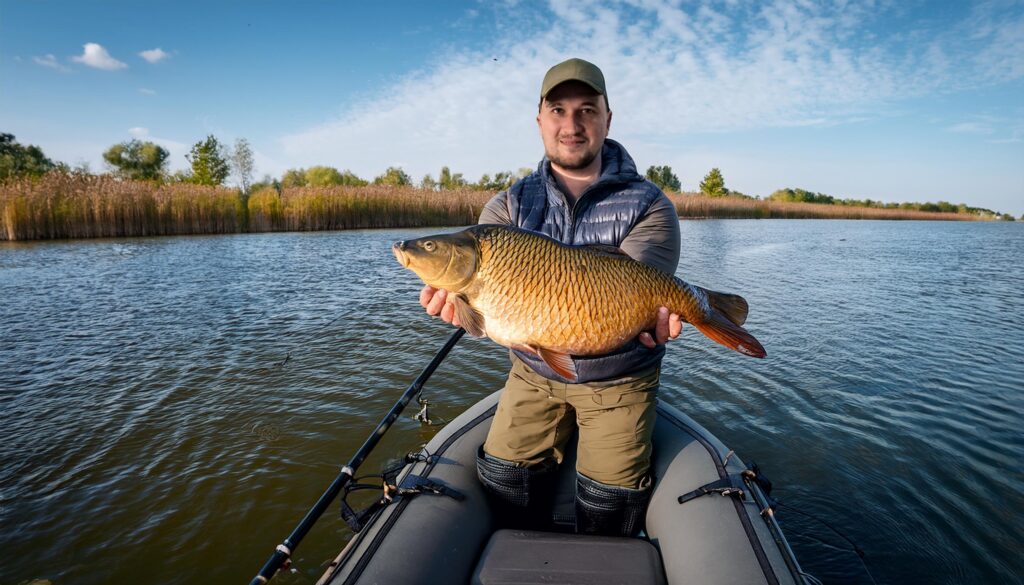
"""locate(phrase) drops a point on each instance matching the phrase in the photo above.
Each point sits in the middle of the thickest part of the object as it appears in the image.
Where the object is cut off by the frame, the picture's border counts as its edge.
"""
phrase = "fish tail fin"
(734, 307)
(721, 328)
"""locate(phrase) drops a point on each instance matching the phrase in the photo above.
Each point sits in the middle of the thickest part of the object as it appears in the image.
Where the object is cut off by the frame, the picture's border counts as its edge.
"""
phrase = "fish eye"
(429, 246)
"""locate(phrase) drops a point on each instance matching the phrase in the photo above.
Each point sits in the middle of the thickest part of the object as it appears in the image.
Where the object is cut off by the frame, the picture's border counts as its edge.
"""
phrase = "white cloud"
(154, 55)
(49, 61)
(139, 132)
(94, 55)
(672, 71)
(147, 91)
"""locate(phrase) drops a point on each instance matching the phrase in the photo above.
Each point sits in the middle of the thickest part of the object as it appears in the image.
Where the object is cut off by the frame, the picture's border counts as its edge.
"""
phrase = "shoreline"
(86, 206)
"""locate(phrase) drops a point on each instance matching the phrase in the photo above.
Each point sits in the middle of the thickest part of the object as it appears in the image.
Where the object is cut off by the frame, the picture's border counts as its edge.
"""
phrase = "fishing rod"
(284, 551)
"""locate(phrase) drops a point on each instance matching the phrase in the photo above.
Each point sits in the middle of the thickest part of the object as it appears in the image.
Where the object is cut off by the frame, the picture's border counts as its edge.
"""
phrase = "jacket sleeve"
(654, 240)
(496, 210)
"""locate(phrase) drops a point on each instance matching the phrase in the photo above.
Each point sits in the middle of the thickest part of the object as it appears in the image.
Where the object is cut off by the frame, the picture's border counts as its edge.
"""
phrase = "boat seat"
(524, 557)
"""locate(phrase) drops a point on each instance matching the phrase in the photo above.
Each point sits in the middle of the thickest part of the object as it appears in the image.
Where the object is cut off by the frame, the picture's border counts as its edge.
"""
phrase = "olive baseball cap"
(574, 70)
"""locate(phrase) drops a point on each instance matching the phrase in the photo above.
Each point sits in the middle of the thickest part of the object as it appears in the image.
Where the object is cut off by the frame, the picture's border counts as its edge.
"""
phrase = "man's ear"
(609, 128)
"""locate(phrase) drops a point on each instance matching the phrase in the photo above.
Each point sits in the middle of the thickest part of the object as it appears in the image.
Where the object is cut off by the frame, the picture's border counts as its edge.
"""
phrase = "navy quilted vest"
(604, 214)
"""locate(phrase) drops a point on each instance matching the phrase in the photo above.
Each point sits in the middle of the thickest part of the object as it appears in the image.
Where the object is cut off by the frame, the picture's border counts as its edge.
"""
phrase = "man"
(586, 190)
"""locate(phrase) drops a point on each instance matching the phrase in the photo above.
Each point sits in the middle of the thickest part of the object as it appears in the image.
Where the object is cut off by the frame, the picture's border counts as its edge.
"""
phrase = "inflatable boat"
(709, 520)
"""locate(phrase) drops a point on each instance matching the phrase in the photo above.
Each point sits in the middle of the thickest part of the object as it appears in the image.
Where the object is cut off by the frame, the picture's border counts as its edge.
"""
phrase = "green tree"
(294, 178)
(713, 184)
(17, 160)
(447, 180)
(139, 160)
(502, 180)
(265, 182)
(320, 176)
(428, 183)
(350, 179)
(242, 164)
(393, 176)
(209, 162)
(663, 177)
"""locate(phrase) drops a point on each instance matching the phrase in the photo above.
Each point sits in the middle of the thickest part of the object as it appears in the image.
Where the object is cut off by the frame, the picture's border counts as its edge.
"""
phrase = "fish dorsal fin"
(469, 318)
(606, 249)
(561, 363)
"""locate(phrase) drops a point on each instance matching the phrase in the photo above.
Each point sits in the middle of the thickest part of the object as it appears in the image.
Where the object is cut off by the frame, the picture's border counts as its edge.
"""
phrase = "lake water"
(173, 406)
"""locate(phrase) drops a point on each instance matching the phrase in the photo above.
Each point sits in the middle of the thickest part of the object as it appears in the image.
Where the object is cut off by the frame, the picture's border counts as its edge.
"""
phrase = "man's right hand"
(435, 301)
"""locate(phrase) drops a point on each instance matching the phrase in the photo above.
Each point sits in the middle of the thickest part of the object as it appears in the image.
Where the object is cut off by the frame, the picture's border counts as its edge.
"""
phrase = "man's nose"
(574, 123)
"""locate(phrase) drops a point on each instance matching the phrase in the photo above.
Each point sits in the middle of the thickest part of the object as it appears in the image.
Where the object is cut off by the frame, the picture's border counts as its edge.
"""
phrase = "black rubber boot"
(521, 497)
(610, 510)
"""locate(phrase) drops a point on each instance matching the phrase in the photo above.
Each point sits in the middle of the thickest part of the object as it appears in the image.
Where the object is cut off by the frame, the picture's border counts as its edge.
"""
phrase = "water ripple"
(173, 406)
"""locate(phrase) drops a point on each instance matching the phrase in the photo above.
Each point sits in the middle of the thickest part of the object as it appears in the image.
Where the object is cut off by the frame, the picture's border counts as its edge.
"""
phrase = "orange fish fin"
(469, 318)
(734, 307)
(719, 328)
(606, 249)
(525, 348)
(561, 363)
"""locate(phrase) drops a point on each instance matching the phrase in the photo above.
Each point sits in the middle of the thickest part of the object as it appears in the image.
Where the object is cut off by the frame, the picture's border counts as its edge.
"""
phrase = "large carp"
(529, 292)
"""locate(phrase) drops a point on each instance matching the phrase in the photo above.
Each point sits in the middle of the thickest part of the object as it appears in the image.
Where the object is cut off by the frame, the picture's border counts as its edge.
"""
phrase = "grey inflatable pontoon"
(726, 536)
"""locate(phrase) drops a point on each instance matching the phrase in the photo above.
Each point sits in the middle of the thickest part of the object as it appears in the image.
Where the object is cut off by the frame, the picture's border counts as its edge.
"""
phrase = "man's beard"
(574, 164)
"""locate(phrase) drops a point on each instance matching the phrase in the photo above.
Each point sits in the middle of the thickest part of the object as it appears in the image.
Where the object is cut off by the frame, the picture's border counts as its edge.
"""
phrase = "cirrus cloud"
(673, 70)
(49, 61)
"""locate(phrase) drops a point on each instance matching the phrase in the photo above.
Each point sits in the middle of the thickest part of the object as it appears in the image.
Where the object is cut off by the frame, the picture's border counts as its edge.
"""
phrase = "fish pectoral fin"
(469, 318)
(560, 362)
(525, 348)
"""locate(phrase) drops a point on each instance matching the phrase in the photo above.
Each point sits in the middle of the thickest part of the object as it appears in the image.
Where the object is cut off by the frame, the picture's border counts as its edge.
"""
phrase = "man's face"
(573, 122)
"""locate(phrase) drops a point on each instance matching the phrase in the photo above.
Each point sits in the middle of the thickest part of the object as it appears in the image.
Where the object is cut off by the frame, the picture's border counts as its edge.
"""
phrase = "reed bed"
(61, 205)
(374, 206)
(697, 206)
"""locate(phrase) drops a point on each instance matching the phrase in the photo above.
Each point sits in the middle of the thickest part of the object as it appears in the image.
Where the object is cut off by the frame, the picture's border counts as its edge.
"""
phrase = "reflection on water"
(173, 406)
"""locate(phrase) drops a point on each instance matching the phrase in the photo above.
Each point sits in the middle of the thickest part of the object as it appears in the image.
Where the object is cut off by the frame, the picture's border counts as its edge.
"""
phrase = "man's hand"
(668, 327)
(435, 301)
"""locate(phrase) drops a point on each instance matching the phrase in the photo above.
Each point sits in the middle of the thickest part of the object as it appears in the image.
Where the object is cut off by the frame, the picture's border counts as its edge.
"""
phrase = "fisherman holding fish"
(580, 288)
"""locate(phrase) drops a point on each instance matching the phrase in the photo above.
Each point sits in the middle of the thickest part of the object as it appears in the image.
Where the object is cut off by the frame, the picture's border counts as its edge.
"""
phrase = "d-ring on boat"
(709, 520)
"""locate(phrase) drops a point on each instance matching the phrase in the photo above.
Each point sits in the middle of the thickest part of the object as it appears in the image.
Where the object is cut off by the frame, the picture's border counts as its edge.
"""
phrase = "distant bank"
(59, 206)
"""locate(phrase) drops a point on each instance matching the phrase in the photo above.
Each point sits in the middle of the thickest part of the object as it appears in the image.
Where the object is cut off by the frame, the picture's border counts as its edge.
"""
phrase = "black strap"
(415, 484)
(412, 485)
(729, 486)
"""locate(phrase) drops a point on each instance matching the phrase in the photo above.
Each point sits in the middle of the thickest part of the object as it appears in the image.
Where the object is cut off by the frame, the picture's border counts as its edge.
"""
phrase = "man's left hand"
(667, 328)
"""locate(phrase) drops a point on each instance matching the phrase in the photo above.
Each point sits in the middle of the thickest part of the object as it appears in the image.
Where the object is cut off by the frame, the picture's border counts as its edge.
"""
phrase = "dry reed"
(60, 205)
(374, 206)
(697, 206)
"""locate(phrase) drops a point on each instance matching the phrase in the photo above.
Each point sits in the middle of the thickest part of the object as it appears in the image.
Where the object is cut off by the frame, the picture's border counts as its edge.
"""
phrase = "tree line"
(211, 163)
(802, 196)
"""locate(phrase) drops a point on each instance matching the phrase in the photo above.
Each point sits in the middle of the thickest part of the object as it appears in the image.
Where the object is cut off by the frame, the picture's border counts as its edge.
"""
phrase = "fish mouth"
(399, 249)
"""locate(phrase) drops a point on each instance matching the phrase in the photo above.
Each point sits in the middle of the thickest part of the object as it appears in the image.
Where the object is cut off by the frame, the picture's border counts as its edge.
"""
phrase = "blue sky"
(894, 101)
